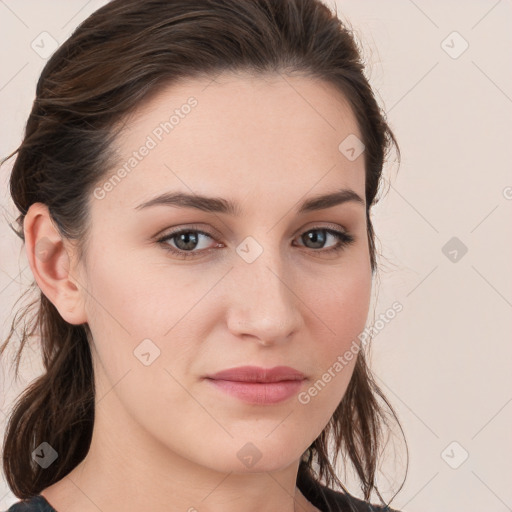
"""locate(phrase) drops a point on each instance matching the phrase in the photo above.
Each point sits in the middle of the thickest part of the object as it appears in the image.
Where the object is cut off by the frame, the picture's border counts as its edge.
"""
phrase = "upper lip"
(258, 374)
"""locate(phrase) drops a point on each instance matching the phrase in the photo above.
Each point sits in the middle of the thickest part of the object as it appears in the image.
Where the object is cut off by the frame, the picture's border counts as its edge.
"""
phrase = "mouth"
(257, 385)
(256, 374)
(258, 393)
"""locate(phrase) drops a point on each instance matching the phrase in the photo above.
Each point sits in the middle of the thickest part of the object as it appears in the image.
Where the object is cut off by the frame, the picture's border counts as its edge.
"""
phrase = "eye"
(186, 240)
(311, 236)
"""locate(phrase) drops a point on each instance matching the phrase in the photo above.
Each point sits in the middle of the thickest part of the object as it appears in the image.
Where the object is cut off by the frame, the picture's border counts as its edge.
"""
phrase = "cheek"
(142, 298)
(334, 359)
(130, 302)
(145, 336)
(347, 306)
(341, 302)
(339, 312)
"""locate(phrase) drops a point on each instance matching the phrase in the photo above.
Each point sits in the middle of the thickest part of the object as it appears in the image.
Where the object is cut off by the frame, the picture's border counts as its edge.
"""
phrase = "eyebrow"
(220, 205)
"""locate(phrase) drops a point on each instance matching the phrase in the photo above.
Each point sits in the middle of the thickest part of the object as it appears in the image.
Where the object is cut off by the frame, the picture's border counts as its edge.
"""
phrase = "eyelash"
(345, 239)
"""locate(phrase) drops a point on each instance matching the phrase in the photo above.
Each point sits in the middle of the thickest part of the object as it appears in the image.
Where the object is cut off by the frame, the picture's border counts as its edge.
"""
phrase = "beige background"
(444, 361)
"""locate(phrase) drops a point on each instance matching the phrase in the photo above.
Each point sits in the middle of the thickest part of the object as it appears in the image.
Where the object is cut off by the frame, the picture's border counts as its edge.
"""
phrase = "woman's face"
(261, 286)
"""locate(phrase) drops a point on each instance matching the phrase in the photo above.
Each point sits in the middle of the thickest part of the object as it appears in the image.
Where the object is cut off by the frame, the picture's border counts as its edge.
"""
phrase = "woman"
(194, 187)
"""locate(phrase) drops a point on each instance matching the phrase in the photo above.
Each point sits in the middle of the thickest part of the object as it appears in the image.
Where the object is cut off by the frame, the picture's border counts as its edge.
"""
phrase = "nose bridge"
(263, 302)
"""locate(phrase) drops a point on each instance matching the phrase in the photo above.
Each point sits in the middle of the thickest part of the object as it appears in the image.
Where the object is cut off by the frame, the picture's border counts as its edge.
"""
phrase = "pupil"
(187, 236)
(315, 238)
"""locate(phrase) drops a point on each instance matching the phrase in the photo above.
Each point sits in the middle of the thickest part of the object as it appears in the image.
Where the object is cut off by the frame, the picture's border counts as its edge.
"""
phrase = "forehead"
(235, 133)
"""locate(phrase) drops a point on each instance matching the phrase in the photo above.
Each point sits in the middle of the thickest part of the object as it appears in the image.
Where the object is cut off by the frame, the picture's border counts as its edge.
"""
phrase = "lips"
(258, 386)
(258, 374)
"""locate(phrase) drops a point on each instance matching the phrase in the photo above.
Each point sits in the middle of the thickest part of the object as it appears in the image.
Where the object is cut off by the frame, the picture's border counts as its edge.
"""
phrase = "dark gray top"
(35, 504)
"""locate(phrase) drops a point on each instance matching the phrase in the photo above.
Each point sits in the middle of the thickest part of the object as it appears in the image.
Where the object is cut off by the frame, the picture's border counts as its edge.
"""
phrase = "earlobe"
(48, 255)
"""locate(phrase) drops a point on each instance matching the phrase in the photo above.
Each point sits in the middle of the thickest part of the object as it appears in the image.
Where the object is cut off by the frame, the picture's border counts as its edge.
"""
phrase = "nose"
(264, 302)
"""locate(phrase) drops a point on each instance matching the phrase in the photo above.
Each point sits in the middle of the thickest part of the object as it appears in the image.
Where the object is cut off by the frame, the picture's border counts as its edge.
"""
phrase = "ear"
(50, 257)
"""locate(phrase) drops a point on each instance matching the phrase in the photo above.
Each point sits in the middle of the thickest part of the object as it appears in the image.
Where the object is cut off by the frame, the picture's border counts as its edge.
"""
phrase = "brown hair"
(120, 55)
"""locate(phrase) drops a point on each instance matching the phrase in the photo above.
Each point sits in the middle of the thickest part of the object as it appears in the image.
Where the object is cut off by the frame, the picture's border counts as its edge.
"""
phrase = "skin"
(164, 438)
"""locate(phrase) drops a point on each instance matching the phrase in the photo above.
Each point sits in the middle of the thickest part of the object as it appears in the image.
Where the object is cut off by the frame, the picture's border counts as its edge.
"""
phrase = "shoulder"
(34, 504)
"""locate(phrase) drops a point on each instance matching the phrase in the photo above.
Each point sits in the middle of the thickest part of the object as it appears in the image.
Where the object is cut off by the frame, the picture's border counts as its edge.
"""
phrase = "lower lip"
(259, 392)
